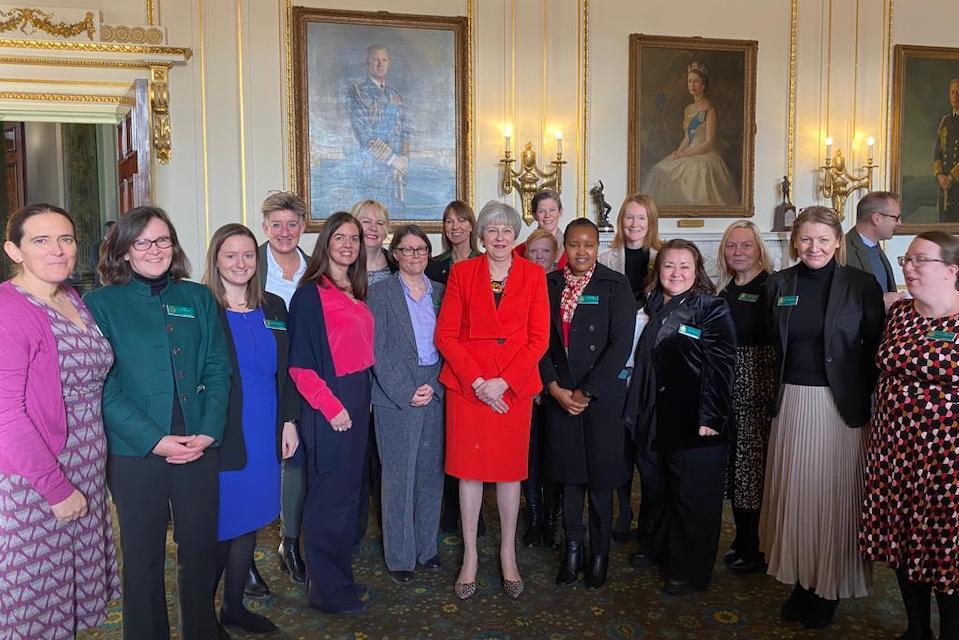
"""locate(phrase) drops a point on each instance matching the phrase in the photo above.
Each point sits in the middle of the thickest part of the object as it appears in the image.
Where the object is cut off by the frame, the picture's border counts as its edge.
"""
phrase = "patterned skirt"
(753, 392)
(809, 523)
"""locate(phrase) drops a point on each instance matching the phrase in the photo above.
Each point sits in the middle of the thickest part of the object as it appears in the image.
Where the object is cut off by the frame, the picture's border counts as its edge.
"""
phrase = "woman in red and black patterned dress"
(911, 513)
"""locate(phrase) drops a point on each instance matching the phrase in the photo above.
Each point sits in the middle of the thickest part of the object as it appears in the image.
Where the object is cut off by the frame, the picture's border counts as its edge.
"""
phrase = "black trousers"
(147, 492)
(683, 505)
(372, 484)
(600, 516)
(624, 494)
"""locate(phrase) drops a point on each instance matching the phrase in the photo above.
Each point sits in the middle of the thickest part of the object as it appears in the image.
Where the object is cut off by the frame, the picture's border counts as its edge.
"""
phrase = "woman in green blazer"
(164, 409)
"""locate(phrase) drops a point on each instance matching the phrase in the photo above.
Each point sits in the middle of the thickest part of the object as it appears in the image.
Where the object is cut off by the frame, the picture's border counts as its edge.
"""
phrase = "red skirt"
(484, 445)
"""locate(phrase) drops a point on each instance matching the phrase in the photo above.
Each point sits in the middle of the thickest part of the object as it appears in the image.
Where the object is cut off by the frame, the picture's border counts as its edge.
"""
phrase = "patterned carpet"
(631, 606)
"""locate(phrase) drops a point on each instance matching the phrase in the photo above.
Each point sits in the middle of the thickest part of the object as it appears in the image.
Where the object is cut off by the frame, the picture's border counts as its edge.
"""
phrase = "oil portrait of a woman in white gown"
(695, 173)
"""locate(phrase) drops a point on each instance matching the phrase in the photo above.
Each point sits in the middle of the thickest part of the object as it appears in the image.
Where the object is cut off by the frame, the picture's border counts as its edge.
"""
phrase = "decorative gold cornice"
(95, 47)
(29, 21)
(123, 34)
(75, 83)
(66, 97)
(791, 117)
(151, 17)
(77, 62)
(160, 125)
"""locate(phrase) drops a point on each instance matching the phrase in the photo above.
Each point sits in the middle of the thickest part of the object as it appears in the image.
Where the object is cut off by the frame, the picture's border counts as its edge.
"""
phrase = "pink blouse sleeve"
(315, 391)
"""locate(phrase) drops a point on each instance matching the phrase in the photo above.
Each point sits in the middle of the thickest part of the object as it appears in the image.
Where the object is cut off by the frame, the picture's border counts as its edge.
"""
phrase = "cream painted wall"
(229, 109)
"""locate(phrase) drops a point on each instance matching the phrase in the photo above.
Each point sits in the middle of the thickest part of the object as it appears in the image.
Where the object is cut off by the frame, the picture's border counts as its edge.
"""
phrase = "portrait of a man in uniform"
(380, 111)
(946, 163)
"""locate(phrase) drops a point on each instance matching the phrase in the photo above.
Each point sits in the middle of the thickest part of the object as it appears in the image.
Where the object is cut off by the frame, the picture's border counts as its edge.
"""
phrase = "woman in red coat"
(492, 331)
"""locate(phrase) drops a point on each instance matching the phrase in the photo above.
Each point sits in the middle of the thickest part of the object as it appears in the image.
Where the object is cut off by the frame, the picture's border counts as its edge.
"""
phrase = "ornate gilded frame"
(302, 17)
(901, 129)
(749, 49)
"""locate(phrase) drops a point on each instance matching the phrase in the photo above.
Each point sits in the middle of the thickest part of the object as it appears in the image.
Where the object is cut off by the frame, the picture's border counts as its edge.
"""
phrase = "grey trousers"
(411, 453)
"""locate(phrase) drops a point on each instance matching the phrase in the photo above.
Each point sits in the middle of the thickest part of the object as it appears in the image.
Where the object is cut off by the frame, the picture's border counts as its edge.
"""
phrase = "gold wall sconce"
(838, 184)
(528, 178)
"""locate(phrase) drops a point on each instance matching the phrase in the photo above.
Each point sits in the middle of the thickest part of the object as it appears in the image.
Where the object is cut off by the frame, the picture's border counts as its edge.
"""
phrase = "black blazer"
(589, 448)
(688, 372)
(233, 449)
(262, 262)
(853, 328)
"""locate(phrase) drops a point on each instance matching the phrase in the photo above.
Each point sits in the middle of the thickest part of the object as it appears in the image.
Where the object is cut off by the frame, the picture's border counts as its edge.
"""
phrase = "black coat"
(589, 448)
(233, 449)
(854, 321)
(684, 380)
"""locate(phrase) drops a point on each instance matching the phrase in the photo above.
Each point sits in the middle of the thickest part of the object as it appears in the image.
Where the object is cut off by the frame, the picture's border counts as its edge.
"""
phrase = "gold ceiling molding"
(78, 62)
(66, 97)
(28, 21)
(96, 47)
(124, 34)
(55, 81)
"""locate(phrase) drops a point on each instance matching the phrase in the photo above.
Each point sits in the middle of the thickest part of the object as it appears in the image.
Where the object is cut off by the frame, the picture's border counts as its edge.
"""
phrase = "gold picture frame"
(717, 125)
(404, 138)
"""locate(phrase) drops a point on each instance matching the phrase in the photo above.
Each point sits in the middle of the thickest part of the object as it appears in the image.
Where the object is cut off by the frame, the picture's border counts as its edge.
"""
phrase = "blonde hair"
(651, 241)
(765, 262)
(818, 215)
(543, 234)
(375, 204)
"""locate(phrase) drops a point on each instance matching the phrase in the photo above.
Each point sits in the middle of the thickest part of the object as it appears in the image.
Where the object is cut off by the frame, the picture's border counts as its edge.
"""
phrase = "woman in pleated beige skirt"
(826, 322)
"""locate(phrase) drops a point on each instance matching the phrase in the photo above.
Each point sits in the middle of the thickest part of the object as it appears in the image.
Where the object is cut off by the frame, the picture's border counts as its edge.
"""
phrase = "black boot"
(916, 598)
(552, 530)
(255, 586)
(572, 564)
(291, 561)
(596, 574)
(820, 613)
(948, 615)
(797, 605)
(534, 513)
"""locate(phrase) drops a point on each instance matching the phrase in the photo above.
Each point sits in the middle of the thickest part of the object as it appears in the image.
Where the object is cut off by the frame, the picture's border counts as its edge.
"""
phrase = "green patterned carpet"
(631, 606)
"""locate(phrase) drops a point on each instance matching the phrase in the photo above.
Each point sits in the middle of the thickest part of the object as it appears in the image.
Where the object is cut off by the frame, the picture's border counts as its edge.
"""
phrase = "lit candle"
(508, 133)
(828, 148)
(870, 146)
(559, 143)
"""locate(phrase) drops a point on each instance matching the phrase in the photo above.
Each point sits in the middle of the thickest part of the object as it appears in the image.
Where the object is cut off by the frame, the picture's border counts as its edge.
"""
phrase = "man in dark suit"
(877, 217)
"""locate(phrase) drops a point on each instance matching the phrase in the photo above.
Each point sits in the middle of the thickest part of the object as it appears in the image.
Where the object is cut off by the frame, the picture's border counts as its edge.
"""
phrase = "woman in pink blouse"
(331, 353)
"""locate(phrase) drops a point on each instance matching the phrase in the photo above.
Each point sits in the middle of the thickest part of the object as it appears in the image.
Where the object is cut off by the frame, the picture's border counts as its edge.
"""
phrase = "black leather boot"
(948, 615)
(534, 513)
(291, 561)
(596, 573)
(552, 525)
(797, 604)
(916, 598)
(572, 564)
(255, 586)
(820, 613)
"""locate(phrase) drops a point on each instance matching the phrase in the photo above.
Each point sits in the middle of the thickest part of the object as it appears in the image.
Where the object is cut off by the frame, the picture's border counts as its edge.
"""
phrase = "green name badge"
(787, 301)
(691, 332)
(179, 312)
(945, 336)
(749, 297)
(277, 325)
(588, 300)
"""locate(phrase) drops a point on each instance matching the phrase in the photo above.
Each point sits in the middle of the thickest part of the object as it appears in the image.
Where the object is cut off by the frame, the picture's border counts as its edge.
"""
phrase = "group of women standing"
(757, 389)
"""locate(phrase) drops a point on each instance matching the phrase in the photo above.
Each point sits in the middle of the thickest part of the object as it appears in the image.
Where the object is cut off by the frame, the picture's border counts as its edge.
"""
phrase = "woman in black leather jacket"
(680, 400)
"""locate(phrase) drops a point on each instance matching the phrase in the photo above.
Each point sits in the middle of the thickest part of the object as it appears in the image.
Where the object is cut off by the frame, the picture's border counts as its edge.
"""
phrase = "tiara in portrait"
(697, 67)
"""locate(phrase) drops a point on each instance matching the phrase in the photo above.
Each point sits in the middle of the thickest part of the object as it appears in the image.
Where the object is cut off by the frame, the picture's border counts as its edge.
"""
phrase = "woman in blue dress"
(261, 416)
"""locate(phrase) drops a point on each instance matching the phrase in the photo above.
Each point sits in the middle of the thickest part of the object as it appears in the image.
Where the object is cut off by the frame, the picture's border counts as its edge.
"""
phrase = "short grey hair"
(495, 212)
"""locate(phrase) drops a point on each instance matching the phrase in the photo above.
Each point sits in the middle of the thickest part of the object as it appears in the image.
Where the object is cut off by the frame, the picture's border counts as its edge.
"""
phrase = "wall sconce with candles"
(837, 183)
(528, 178)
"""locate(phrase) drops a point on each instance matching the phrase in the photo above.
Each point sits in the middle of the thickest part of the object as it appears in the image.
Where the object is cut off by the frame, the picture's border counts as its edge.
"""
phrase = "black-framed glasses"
(889, 215)
(917, 261)
(163, 242)
(411, 251)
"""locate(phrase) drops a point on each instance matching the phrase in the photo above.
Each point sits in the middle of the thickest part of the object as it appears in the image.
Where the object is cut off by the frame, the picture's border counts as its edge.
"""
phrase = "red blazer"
(480, 340)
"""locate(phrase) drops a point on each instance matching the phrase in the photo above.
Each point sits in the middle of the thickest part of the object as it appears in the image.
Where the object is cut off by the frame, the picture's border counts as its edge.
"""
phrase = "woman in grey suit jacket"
(408, 406)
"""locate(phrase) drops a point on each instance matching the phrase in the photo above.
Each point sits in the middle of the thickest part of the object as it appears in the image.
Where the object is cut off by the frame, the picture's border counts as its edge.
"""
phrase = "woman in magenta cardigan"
(331, 354)
(52, 447)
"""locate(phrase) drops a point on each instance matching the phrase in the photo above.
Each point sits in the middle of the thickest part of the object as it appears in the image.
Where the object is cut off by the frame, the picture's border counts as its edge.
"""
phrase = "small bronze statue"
(602, 207)
(785, 213)
(785, 189)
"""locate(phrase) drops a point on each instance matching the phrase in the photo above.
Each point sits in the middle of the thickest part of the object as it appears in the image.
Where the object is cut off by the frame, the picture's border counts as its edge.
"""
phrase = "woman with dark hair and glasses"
(408, 406)
(52, 447)
(680, 396)
(164, 407)
(911, 515)
(331, 354)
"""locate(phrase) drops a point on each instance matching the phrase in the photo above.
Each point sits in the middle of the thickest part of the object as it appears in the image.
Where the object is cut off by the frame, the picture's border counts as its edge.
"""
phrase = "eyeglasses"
(917, 261)
(411, 251)
(889, 215)
(163, 242)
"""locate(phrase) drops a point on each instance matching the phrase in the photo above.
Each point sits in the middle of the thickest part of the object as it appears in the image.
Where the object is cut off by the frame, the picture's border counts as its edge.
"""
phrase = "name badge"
(277, 325)
(787, 301)
(945, 336)
(691, 332)
(179, 312)
(748, 297)
(588, 300)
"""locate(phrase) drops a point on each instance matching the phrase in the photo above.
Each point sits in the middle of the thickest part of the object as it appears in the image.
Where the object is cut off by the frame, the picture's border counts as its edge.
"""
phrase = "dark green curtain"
(81, 189)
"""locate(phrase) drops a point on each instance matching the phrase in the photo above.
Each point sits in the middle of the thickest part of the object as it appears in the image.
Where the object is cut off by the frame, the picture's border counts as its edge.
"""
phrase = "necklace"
(497, 286)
